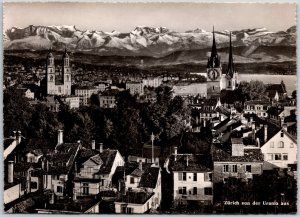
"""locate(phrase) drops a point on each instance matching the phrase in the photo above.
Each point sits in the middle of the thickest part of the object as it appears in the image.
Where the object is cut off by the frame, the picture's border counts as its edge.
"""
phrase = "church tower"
(66, 69)
(229, 80)
(50, 73)
(214, 71)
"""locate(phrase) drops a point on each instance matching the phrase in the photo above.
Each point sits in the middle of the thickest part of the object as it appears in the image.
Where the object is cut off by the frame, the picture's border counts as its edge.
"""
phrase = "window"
(248, 168)
(280, 144)
(234, 168)
(207, 177)
(292, 145)
(208, 191)
(129, 210)
(269, 156)
(131, 180)
(195, 177)
(85, 189)
(183, 190)
(33, 185)
(272, 145)
(277, 156)
(225, 168)
(182, 176)
(59, 189)
(281, 134)
(179, 190)
(285, 156)
(195, 190)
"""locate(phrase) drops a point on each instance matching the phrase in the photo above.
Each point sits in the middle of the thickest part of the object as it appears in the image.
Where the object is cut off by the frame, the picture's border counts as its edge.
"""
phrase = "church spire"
(214, 47)
(214, 59)
(230, 69)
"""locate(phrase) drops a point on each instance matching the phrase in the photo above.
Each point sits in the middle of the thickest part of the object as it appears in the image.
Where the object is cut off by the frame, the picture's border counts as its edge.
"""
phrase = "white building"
(152, 81)
(279, 148)
(135, 87)
(85, 93)
(192, 178)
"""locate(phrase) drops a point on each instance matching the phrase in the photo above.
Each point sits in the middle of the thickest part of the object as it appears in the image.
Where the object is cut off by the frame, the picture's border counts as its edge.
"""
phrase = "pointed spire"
(214, 47)
(230, 69)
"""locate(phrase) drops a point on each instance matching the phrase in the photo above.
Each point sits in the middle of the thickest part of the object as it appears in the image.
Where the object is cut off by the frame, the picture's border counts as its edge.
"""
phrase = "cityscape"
(155, 121)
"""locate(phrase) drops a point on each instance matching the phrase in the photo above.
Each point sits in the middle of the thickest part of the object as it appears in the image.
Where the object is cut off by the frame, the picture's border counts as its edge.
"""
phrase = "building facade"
(58, 84)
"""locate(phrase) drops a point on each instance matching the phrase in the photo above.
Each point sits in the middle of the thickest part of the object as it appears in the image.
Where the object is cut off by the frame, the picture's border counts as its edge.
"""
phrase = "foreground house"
(144, 195)
(192, 177)
(95, 173)
(234, 159)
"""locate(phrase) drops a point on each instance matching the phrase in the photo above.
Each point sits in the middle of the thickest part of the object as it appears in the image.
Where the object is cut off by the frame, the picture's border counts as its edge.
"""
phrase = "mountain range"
(157, 45)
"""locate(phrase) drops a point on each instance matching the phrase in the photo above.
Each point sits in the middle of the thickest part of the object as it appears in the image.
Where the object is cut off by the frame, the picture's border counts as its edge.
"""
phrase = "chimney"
(93, 142)
(10, 170)
(51, 199)
(78, 141)
(60, 137)
(175, 153)
(265, 133)
(101, 148)
(284, 126)
(15, 134)
(18, 137)
(141, 165)
(74, 195)
(261, 126)
(282, 120)
(251, 119)
(253, 130)
(187, 160)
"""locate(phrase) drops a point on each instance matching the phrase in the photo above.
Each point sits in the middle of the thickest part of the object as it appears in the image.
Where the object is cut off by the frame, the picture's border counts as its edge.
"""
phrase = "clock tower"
(214, 72)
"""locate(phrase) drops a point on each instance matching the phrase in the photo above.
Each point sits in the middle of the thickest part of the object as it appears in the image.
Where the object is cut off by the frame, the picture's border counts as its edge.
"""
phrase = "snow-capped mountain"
(143, 40)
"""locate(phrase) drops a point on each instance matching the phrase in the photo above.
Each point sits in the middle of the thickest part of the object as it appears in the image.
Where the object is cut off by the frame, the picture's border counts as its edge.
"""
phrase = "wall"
(256, 168)
(200, 184)
(290, 148)
(12, 193)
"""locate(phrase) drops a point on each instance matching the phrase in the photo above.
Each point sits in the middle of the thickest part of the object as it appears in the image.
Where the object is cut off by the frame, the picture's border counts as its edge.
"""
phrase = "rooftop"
(149, 177)
(197, 163)
(222, 153)
(134, 197)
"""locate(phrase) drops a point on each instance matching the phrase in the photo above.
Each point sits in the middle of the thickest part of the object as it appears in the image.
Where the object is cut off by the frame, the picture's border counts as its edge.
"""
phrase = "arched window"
(229, 83)
(280, 144)
(213, 87)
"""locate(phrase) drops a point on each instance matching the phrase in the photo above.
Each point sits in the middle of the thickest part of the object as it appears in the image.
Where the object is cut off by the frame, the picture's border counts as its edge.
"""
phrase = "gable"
(276, 139)
(89, 163)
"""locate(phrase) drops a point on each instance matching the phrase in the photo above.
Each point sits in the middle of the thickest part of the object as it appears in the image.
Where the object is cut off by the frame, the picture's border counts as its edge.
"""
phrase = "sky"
(123, 17)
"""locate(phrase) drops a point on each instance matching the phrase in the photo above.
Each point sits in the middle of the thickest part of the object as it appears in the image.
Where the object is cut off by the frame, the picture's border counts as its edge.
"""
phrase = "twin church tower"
(58, 84)
(216, 79)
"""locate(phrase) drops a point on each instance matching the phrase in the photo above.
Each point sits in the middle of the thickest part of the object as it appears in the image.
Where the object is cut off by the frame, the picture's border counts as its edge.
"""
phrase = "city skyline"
(124, 17)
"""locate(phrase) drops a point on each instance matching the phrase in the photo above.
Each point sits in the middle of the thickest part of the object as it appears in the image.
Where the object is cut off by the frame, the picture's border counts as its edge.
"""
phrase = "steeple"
(214, 59)
(214, 47)
(230, 69)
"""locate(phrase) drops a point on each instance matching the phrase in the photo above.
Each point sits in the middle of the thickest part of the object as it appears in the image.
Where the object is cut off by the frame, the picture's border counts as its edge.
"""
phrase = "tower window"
(213, 87)
(229, 83)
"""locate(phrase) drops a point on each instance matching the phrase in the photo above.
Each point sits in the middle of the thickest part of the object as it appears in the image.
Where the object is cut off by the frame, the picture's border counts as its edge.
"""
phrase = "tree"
(254, 90)
(17, 112)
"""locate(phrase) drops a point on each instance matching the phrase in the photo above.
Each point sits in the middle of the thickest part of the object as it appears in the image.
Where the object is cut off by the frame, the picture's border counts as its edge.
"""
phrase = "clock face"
(213, 74)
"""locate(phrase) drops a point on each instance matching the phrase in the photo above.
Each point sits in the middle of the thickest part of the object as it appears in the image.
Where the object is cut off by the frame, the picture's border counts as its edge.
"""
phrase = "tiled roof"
(257, 102)
(199, 163)
(274, 110)
(135, 197)
(7, 142)
(107, 156)
(137, 172)
(222, 153)
(223, 110)
(276, 87)
(97, 159)
(272, 129)
(149, 177)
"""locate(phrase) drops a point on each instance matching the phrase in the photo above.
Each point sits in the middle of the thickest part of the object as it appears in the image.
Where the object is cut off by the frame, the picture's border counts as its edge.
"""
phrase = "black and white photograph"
(149, 108)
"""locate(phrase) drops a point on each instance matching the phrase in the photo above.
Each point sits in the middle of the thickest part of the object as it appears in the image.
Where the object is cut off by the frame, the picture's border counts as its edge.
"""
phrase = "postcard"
(149, 108)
